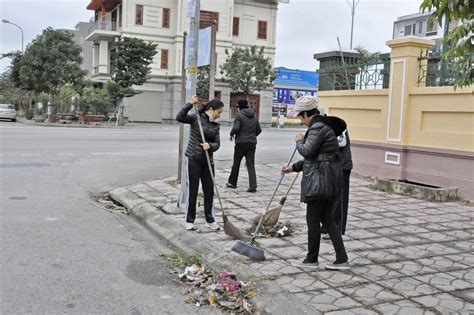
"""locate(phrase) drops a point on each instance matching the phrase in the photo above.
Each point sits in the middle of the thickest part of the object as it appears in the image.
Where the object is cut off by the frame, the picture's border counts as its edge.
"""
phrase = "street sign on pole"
(193, 11)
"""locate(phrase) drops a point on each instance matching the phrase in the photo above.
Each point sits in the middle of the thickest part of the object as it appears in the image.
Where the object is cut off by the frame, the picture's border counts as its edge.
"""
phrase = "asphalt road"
(59, 254)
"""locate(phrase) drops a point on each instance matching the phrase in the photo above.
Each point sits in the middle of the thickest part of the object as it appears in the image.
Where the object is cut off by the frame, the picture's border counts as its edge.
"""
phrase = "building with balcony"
(240, 23)
(417, 25)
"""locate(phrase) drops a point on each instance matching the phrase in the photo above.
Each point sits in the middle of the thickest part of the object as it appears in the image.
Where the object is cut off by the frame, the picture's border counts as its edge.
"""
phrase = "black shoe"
(305, 264)
(338, 266)
(252, 190)
(229, 185)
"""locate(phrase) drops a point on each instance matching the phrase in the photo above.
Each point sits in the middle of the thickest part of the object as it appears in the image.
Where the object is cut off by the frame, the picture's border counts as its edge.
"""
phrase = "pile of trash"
(278, 230)
(221, 290)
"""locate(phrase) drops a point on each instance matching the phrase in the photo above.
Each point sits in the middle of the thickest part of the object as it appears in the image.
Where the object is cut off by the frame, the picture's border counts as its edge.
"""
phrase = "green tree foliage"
(131, 62)
(51, 60)
(93, 100)
(459, 40)
(65, 97)
(247, 70)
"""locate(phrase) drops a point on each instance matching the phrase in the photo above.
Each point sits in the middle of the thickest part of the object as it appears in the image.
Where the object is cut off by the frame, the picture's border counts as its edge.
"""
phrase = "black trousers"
(241, 150)
(341, 206)
(198, 170)
(317, 212)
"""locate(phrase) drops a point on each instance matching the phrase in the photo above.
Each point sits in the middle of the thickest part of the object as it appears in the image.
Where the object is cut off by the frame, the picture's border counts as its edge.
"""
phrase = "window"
(164, 59)
(407, 30)
(207, 18)
(235, 26)
(166, 18)
(433, 29)
(420, 27)
(262, 30)
(414, 29)
(139, 15)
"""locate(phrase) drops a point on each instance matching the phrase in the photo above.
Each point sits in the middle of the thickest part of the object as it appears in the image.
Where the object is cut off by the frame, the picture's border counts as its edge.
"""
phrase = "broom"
(251, 250)
(229, 228)
(271, 217)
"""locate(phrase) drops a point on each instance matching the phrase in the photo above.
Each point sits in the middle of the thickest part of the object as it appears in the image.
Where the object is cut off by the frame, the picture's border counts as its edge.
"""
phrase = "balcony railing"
(103, 26)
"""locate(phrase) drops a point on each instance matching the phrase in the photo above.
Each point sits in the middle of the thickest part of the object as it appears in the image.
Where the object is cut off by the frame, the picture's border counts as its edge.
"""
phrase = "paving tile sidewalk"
(408, 256)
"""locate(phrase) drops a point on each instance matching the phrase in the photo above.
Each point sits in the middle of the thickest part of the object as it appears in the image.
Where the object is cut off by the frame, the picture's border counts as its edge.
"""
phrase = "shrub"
(29, 115)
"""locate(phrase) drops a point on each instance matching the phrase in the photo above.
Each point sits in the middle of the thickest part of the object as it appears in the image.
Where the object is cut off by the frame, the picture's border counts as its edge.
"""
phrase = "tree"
(247, 70)
(93, 100)
(459, 41)
(131, 62)
(50, 61)
(65, 96)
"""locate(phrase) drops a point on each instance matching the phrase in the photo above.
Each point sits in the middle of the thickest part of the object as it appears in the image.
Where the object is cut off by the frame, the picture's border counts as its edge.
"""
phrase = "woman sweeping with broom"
(198, 167)
(203, 141)
(321, 180)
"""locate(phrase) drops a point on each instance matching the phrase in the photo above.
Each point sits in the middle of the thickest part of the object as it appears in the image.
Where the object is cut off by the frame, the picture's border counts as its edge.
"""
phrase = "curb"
(272, 298)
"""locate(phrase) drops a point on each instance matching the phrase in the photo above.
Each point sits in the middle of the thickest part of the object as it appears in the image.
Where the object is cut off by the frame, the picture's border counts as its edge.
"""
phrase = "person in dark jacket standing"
(321, 182)
(341, 206)
(245, 130)
(198, 168)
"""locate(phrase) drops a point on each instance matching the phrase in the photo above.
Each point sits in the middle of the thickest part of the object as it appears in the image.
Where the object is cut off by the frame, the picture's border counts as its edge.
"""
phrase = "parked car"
(7, 111)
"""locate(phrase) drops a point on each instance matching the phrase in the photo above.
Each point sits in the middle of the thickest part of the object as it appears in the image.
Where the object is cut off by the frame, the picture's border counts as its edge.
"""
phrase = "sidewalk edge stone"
(272, 298)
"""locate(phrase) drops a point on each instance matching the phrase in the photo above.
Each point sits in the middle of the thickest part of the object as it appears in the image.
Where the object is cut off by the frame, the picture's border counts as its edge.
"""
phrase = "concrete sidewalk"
(408, 256)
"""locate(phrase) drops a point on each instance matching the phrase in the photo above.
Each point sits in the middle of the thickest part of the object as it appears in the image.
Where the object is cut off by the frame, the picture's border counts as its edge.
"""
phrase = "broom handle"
(209, 161)
(283, 199)
(271, 199)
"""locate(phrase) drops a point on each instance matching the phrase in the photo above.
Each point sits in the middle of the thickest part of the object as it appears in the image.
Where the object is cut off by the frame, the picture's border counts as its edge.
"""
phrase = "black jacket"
(194, 151)
(346, 154)
(321, 166)
(246, 126)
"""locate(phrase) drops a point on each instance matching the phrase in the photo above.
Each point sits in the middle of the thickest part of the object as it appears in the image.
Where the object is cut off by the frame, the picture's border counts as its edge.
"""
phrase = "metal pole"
(353, 7)
(213, 65)
(21, 30)
(193, 12)
(183, 100)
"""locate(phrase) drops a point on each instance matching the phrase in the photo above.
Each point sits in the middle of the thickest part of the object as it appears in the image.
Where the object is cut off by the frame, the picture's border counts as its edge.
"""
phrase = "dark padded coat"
(194, 151)
(321, 166)
(246, 126)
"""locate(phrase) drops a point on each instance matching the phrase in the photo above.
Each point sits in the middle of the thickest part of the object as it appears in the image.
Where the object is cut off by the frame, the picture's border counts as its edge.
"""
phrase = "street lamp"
(8, 22)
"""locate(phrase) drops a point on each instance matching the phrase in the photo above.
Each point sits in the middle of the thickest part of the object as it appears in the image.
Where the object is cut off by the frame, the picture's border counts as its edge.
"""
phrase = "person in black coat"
(245, 130)
(321, 182)
(198, 168)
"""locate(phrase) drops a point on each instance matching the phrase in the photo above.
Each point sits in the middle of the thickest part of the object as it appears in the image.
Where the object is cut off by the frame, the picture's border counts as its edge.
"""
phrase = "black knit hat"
(242, 104)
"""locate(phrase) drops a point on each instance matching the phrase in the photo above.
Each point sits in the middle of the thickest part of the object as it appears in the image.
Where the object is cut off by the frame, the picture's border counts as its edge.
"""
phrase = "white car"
(7, 111)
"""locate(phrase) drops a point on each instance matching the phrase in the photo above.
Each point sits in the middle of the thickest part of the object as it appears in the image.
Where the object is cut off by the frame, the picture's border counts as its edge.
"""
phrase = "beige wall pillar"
(103, 57)
(403, 75)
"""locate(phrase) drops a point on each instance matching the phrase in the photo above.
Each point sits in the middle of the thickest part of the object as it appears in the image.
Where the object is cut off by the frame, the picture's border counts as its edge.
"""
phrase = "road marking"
(64, 154)
(30, 154)
(106, 153)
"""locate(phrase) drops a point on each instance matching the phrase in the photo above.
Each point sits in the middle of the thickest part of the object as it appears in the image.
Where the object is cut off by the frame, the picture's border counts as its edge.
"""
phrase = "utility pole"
(183, 101)
(21, 30)
(353, 6)
(193, 12)
(213, 65)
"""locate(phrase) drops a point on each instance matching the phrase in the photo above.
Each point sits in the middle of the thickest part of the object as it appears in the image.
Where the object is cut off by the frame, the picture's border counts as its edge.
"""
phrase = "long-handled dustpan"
(271, 217)
(252, 250)
(229, 228)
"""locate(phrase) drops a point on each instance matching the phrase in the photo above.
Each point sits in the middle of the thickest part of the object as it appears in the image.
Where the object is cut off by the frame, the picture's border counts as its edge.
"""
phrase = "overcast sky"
(304, 26)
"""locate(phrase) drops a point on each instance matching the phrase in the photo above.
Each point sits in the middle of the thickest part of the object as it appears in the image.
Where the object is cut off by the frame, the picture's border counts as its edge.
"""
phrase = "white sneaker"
(189, 226)
(213, 226)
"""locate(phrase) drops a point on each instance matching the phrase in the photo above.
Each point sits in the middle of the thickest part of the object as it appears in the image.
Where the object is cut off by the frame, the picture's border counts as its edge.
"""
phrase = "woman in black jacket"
(321, 182)
(198, 168)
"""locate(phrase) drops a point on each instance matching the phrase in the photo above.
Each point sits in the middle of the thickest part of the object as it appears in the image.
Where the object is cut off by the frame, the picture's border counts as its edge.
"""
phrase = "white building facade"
(240, 23)
(417, 25)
